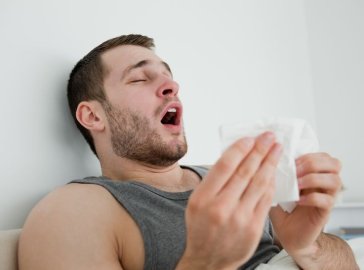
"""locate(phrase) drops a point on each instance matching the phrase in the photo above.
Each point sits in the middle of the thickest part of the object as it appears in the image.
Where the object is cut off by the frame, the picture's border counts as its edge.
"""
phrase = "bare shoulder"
(74, 203)
(73, 227)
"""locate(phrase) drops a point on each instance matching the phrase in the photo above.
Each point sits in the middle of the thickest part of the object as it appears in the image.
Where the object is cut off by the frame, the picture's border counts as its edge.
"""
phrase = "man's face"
(144, 112)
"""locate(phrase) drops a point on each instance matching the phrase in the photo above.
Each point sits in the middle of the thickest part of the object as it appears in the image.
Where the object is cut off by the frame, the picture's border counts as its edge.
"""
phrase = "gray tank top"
(160, 216)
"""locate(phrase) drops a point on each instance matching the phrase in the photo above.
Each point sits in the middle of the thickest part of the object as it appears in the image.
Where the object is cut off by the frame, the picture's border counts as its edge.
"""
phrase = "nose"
(169, 88)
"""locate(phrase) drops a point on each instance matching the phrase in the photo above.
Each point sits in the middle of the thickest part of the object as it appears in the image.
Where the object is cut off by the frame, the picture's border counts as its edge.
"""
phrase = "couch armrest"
(8, 249)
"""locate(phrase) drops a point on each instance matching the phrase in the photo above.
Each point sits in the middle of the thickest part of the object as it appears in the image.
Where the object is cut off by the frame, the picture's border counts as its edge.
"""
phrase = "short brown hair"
(86, 79)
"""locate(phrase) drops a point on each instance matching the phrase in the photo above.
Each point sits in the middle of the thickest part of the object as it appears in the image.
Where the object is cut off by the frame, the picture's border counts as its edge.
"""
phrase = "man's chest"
(152, 240)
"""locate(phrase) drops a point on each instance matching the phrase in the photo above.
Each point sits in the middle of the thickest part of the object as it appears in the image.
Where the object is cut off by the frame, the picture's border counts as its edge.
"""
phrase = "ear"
(89, 114)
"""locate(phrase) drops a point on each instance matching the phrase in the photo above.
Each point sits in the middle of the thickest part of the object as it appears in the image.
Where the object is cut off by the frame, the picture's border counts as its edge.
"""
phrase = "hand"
(225, 214)
(319, 183)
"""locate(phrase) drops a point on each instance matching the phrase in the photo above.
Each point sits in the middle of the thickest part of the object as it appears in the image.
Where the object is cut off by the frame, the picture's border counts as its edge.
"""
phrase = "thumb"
(277, 215)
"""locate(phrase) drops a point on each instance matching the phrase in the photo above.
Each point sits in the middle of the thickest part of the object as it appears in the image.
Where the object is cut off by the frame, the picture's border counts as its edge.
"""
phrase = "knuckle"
(246, 171)
(217, 214)
(261, 149)
(272, 162)
(239, 149)
(260, 182)
(241, 146)
(224, 165)
(311, 165)
(263, 179)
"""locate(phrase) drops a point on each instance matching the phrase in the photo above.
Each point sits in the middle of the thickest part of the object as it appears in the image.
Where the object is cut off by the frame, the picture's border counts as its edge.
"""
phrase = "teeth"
(172, 110)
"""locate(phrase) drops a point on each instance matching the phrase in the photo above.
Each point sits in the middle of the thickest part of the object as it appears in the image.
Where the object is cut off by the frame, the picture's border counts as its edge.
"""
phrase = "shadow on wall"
(66, 133)
(44, 150)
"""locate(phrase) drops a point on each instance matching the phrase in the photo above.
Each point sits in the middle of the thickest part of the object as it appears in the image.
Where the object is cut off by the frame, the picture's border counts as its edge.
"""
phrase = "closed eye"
(139, 80)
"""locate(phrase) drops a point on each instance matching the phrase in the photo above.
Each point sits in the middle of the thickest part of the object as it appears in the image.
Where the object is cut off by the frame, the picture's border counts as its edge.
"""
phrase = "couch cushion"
(8, 249)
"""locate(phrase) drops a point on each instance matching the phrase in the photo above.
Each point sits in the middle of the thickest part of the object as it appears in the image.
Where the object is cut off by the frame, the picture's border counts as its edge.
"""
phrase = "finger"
(277, 215)
(247, 168)
(264, 205)
(305, 157)
(320, 200)
(224, 168)
(331, 183)
(263, 179)
(260, 213)
(317, 163)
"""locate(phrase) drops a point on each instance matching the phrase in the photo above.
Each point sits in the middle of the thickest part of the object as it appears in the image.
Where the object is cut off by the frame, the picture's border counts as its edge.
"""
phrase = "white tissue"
(296, 137)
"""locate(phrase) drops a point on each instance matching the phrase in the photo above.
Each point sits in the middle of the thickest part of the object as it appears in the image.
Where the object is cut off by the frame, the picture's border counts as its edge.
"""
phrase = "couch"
(8, 249)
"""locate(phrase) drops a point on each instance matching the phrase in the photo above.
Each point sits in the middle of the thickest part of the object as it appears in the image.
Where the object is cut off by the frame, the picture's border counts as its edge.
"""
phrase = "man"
(148, 212)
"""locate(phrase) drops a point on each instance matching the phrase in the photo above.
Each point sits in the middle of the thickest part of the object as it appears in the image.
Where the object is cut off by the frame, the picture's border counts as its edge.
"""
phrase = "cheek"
(138, 102)
(133, 101)
(144, 109)
(143, 104)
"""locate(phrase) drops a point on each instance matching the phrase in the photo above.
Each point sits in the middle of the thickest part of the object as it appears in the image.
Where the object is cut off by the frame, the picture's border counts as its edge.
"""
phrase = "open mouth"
(172, 116)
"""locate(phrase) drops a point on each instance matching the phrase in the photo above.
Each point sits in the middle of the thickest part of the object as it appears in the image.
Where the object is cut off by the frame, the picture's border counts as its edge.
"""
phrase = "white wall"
(336, 44)
(234, 60)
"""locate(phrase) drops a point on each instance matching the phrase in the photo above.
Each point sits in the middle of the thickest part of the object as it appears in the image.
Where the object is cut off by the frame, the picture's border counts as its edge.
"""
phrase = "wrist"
(327, 252)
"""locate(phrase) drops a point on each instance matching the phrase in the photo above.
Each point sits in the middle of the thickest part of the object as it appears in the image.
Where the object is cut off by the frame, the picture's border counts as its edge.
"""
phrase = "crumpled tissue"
(297, 138)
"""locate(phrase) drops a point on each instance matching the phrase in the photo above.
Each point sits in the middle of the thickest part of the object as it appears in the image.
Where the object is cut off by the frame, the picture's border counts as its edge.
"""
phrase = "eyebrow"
(141, 64)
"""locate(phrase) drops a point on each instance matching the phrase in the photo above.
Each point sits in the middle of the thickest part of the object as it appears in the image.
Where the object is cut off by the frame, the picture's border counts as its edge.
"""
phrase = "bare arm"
(329, 253)
(69, 229)
(300, 232)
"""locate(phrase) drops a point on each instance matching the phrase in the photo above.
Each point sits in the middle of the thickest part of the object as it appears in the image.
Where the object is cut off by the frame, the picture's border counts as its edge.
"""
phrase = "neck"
(168, 178)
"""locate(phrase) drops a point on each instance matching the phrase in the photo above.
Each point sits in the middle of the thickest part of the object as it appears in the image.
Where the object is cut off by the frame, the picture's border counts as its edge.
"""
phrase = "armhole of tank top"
(201, 170)
(148, 237)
